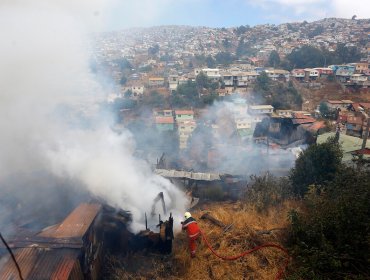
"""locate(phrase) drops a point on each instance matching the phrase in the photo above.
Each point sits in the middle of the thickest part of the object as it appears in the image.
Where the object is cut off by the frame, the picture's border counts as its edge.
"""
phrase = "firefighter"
(192, 229)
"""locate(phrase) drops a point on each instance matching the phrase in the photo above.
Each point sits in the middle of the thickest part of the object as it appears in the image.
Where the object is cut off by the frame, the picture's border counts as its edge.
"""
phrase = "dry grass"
(263, 264)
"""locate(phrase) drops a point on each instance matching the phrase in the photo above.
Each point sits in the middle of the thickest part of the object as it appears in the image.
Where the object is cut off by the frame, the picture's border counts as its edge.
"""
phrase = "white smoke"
(49, 106)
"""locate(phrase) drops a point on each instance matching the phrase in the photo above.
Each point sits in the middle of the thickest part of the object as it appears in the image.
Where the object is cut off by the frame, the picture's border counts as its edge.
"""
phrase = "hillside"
(244, 234)
(331, 90)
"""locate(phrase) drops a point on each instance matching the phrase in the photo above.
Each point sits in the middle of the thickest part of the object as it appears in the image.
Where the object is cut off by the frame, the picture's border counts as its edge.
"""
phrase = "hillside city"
(180, 152)
(299, 79)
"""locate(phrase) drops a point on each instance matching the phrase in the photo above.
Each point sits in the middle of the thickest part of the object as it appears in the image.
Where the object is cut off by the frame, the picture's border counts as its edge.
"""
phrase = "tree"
(324, 109)
(211, 63)
(330, 238)
(202, 80)
(318, 164)
(317, 31)
(245, 47)
(263, 82)
(345, 54)
(154, 99)
(124, 64)
(241, 29)
(224, 58)
(209, 98)
(274, 59)
(306, 57)
(186, 95)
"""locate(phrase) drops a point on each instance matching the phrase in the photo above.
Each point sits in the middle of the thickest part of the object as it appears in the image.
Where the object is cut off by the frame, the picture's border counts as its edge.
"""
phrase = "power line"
(12, 255)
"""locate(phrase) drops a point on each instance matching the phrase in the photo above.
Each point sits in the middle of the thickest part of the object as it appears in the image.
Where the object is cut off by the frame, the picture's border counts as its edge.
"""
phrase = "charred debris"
(75, 248)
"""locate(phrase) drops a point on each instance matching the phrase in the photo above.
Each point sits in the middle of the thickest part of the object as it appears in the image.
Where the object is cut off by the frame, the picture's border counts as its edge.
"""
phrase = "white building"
(185, 130)
(260, 109)
(173, 81)
(137, 90)
(212, 73)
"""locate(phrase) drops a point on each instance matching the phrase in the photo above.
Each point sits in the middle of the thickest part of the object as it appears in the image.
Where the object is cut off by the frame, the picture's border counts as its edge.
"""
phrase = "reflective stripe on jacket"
(191, 227)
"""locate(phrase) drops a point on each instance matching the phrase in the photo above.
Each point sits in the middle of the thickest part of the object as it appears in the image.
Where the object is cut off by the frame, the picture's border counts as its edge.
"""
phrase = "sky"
(227, 13)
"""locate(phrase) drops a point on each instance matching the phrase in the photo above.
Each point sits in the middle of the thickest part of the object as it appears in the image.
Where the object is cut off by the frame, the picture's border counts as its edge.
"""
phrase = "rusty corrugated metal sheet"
(76, 224)
(42, 264)
(26, 260)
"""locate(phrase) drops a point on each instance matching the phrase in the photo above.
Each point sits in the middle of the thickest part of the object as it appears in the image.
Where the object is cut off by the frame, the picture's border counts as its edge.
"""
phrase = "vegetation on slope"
(323, 218)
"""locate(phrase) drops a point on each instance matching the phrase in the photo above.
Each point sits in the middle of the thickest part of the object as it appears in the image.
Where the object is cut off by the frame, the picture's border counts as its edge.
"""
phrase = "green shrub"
(331, 238)
(267, 190)
(318, 164)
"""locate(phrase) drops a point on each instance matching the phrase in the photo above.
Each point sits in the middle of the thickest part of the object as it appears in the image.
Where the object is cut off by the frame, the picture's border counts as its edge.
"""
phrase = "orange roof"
(315, 126)
(302, 121)
(335, 101)
(365, 105)
(156, 79)
(184, 112)
(163, 120)
(301, 116)
(76, 224)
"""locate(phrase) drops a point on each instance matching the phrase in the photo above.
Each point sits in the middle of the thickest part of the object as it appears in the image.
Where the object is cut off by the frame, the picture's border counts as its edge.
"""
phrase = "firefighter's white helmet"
(187, 215)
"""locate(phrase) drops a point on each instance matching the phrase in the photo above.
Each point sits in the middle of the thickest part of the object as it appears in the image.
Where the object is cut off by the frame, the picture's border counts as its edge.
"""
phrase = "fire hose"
(12, 255)
(266, 245)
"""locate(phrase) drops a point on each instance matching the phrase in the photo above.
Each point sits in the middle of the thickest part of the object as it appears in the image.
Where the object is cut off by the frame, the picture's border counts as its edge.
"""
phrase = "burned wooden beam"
(208, 217)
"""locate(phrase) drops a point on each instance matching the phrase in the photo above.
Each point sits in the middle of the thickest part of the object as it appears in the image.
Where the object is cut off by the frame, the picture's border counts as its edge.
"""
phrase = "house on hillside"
(260, 112)
(184, 115)
(173, 82)
(137, 89)
(358, 78)
(164, 123)
(185, 130)
(278, 75)
(354, 125)
(324, 71)
(285, 113)
(338, 104)
(298, 74)
(213, 74)
(311, 74)
(156, 82)
(360, 67)
(163, 113)
(260, 109)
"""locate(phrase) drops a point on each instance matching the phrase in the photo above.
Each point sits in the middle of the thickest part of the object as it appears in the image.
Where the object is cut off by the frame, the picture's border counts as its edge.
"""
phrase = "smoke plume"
(52, 125)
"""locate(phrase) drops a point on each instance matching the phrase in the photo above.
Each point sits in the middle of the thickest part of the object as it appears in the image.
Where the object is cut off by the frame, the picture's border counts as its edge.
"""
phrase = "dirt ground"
(331, 90)
(246, 232)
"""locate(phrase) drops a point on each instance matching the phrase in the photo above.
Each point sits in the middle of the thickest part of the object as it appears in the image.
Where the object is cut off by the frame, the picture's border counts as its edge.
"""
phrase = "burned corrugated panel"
(188, 175)
(76, 224)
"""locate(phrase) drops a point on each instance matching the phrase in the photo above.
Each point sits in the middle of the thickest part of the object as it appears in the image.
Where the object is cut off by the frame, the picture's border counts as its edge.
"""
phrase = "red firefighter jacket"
(191, 227)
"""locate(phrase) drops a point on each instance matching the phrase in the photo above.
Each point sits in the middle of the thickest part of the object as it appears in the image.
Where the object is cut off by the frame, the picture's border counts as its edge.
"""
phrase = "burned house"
(206, 185)
(74, 249)
(285, 131)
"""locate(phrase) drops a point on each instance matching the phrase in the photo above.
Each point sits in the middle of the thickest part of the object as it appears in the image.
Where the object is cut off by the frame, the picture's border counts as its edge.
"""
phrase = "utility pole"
(365, 138)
